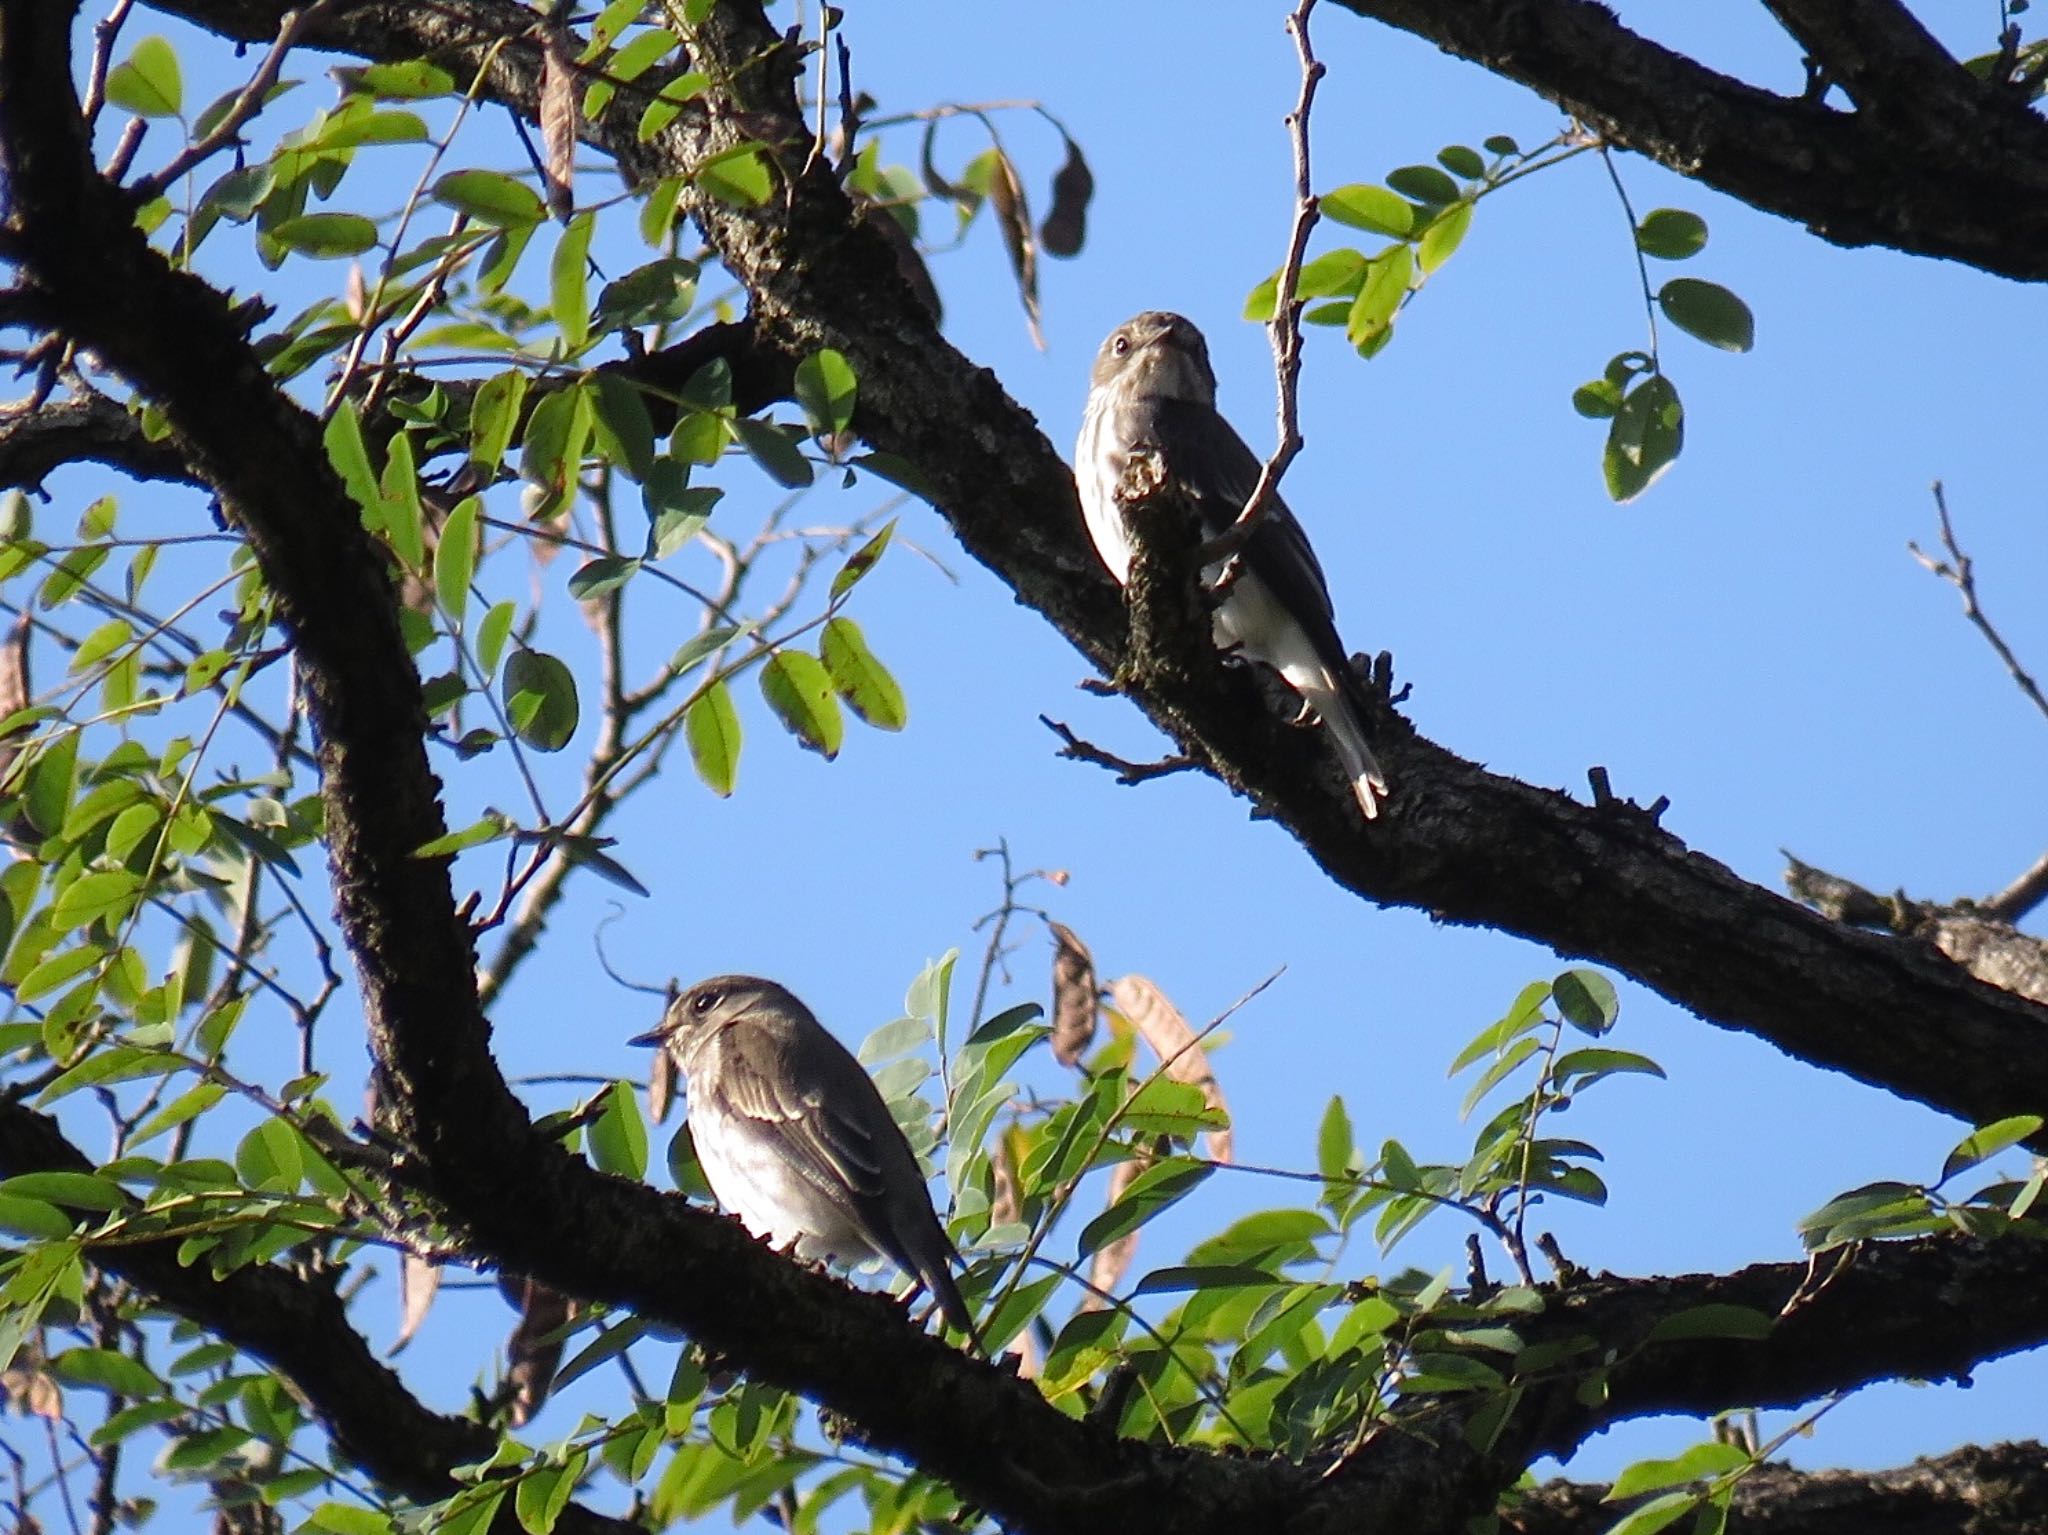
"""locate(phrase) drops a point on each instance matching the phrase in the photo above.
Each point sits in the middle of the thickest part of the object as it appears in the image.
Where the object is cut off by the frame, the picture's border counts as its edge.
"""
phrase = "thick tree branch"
(82, 427)
(1931, 165)
(1999, 1490)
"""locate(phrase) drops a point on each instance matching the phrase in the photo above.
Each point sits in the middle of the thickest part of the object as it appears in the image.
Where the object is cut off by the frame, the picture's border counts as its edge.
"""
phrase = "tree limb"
(1972, 186)
(1999, 1490)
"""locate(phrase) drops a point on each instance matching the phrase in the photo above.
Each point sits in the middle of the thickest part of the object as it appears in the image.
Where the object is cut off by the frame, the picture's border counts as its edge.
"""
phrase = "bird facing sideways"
(1153, 387)
(795, 1138)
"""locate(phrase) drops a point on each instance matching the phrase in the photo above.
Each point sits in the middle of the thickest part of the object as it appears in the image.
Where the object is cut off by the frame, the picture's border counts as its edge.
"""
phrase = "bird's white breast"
(1096, 466)
(752, 1178)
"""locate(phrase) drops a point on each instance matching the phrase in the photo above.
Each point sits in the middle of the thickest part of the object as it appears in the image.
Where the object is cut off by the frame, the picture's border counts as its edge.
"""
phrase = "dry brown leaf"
(1066, 224)
(1013, 217)
(532, 1353)
(1113, 1260)
(1176, 1044)
(558, 118)
(1075, 1002)
(661, 1086)
(418, 1281)
(1004, 1208)
(33, 1391)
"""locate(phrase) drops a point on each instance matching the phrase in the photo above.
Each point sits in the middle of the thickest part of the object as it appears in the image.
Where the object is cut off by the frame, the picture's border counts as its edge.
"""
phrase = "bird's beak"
(651, 1039)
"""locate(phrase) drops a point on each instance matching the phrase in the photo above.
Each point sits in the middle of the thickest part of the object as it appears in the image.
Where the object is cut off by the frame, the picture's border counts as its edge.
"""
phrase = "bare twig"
(246, 105)
(1127, 772)
(2022, 895)
(1959, 572)
(1285, 328)
(104, 33)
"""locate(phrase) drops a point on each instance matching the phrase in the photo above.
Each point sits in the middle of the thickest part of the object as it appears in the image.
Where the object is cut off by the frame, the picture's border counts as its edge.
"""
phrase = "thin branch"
(1960, 572)
(1284, 330)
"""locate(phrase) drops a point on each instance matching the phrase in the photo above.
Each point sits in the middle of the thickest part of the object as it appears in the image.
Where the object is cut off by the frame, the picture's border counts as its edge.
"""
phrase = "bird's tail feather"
(1347, 733)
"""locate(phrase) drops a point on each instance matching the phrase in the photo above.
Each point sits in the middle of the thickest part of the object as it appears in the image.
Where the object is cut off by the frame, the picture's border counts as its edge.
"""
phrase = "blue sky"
(1750, 639)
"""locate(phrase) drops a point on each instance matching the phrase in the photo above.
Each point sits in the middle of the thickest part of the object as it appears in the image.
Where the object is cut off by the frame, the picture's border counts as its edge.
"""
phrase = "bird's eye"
(703, 1002)
(1121, 345)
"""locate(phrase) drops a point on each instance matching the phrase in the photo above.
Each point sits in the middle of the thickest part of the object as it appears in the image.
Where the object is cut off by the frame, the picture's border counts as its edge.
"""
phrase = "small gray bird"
(1153, 387)
(795, 1137)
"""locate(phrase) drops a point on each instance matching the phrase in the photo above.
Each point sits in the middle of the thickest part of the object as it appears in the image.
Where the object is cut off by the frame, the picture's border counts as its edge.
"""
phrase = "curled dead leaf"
(1066, 222)
(419, 1279)
(558, 117)
(14, 696)
(1075, 1002)
(661, 1086)
(1013, 218)
(1113, 1259)
(1175, 1042)
(533, 1352)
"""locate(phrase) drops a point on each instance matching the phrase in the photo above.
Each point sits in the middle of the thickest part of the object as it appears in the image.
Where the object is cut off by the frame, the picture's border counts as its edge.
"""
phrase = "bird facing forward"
(795, 1138)
(1153, 387)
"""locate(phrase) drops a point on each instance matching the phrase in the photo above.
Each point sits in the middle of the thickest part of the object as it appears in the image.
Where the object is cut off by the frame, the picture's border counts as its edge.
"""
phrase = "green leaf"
(33, 1218)
(1371, 208)
(1425, 184)
(1380, 295)
(1671, 234)
(862, 561)
(866, 685)
(1709, 311)
(346, 451)
(455, 559)
(326, 234)
(799, 690)
(540, 699)
(1461, 161)
(661, 292)
(1157, 1188)
(1598, 400)
(411, 80)
(625, 432)
(147, 82)
(490, 197)
(825, 387)
(109, 893)
(52, 778)
(775, 451)
(669, 102)
(1654, 1515)
(1445, 234)
(1715, 1321)
(271, 1158)
(568, 281)
(1586, 999)
(1589, 1066)
(404, 521)
(1644, 439)
(606, 573)
(618, 1136)
(492, 633)
(1983, 1143)
(103, 1369)
(493, 417)
(350, 1519)
(1015, 1314)
(698, 646)
(737, 175)
(492, 827)
(1335, 1143)
(1696, 1464)
(84, 1191)
(712, 728)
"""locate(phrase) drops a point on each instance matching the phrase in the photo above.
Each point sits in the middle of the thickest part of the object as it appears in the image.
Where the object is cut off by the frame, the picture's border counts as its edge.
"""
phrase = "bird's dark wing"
(831, 1150)
(1205, 454)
